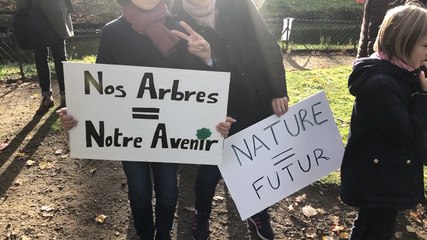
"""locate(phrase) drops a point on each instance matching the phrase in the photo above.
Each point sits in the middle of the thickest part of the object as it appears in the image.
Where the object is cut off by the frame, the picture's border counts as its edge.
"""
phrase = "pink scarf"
(394, 61)
(151, 24)
(203, 15)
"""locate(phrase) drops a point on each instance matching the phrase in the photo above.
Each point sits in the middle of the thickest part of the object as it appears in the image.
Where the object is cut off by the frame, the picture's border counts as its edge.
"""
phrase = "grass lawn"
(333, 81)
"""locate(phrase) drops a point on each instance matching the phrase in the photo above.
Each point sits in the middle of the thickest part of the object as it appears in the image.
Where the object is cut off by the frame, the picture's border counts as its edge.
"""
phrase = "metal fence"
(16, 63)
(304, 34)
(315, 34)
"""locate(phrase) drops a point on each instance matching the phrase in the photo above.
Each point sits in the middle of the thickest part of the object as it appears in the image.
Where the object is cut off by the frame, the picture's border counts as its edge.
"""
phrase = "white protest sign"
(146, 114)
(276, 157)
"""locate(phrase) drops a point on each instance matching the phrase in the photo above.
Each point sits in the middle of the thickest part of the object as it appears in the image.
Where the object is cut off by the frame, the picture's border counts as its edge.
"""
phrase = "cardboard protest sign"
(276, 157)
(146, 114)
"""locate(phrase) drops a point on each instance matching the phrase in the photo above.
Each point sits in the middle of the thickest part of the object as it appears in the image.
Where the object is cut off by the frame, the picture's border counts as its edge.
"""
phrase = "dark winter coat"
(383, 160)
(245, 47)
(57, 13)
(120, 44)
(373, 15)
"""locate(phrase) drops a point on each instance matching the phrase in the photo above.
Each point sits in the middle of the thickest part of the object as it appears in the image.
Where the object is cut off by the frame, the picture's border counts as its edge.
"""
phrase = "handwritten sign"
(146, 114)
(276, 157)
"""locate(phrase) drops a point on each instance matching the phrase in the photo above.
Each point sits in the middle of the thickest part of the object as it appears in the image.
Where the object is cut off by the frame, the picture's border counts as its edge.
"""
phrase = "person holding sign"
(246, 48)
(382, 167)
(142, 37)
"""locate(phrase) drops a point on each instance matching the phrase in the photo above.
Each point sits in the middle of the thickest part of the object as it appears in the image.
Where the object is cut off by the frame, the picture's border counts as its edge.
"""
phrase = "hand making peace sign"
(197, 45)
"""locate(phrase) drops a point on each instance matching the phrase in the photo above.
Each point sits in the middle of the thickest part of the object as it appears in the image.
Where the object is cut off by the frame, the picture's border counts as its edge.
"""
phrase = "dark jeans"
(207, 178)
(140, 195)
(374, 224)
(43, 71)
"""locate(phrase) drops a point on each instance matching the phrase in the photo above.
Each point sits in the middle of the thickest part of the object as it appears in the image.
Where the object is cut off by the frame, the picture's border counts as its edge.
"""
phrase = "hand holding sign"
(274, 158)
(224, 127)
(68, 122)
(197, 45)
(280, 106)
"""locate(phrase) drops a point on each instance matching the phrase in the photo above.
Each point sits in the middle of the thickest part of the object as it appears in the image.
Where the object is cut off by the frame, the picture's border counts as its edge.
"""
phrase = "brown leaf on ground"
(100, 218)
(3, 146)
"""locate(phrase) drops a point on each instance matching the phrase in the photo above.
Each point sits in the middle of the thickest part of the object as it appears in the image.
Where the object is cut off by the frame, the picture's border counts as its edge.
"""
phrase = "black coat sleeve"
(271, 53)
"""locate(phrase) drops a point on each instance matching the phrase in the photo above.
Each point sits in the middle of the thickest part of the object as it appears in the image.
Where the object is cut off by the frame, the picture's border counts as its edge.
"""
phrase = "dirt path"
(304, 61)
(44, 194)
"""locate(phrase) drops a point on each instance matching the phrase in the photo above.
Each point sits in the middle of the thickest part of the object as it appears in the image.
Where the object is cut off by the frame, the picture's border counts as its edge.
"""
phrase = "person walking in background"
(142, 37)
(382, 167)
(57, 13)
(373, 14)
(241, 40)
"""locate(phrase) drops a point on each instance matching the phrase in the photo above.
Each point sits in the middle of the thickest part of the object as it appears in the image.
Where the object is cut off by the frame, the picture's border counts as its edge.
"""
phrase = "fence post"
(20, 62)
(7, 26)
(287, 25)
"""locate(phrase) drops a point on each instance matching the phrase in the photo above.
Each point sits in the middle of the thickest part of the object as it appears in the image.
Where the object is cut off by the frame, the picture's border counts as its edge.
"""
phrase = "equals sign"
(145, 113)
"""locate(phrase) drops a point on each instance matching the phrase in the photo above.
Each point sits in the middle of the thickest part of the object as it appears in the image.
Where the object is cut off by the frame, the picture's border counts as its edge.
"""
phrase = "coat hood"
(365, 68)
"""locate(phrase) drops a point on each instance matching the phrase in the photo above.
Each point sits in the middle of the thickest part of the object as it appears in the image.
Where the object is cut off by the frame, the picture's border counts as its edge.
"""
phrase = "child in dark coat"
(382, 168)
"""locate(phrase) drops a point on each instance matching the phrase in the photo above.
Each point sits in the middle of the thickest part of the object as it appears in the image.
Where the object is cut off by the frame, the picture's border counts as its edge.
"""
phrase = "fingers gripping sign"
(280, 106)
(197, 45)
(224, 127)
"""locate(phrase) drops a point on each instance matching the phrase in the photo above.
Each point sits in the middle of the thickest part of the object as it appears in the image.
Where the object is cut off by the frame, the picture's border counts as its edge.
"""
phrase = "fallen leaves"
(308, 216)
(45, 165)
(21, 155)
(309, 211)
(100, 218)
(47, 211)
(3, 146)
(30, 162)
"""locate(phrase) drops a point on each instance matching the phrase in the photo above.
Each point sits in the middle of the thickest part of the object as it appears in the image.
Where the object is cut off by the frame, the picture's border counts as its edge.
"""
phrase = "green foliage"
(79, 48)
(333, 179)
(309, 9)
(320, 22)
(56, 125)
(11, 71)
(302, 84)
(95, 11)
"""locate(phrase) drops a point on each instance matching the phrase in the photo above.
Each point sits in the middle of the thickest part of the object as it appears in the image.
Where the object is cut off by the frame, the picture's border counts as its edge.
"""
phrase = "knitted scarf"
(151, 24)
(204, 15)
(394, 61)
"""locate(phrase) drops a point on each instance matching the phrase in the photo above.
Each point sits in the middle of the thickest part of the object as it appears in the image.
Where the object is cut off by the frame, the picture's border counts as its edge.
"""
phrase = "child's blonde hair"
(401, 29)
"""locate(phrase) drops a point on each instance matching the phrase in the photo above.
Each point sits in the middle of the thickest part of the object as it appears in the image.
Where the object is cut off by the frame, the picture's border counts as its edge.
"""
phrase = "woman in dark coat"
(382, 168)
(245, 46)
(142, 37)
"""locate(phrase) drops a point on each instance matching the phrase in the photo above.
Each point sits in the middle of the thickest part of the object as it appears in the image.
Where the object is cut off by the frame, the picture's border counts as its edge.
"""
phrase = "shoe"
(200, 228)
(63, 103)
(47, 103)
(261, 222)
